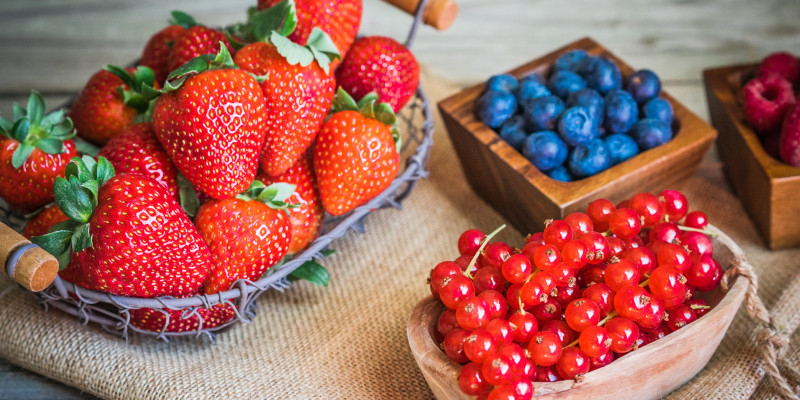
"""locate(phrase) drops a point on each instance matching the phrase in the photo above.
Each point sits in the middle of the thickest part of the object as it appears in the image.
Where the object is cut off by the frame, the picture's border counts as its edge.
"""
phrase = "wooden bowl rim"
(431, 352)
(567, 193)
(720, 80)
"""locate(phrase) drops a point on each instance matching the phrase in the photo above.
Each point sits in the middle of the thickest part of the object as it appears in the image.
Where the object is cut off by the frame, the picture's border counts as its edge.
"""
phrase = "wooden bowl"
(664, 365)
(767, 186)
(526, 196)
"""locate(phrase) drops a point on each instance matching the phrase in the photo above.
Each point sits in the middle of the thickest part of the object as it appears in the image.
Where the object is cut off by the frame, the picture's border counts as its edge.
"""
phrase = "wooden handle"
(439, 14)
(27, 264)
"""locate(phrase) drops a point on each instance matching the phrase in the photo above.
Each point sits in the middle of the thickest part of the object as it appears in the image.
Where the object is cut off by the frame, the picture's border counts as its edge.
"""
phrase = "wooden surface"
(768, 187)
(525, 196)
(665, 362)
(55, 45)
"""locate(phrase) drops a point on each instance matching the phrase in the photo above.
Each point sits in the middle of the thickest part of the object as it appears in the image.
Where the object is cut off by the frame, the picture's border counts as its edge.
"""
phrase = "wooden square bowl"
(526, 196)
(768, 187)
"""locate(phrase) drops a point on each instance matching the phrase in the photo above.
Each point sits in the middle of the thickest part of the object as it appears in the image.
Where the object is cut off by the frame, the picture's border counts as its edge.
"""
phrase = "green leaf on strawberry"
(281, 17)
(274, 195)
(369, 107)
(183, 19)
(221, 60)
(311, 271)
(187, 196)
(135, 96)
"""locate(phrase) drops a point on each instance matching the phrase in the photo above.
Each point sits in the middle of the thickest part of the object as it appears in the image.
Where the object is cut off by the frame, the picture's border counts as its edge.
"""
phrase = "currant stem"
(602, 322)
(480, 249)
(699, 307)
(645, 282)
(703, 231)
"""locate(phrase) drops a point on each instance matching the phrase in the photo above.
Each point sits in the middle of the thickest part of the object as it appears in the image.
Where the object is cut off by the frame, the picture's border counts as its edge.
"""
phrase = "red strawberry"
(765, 100)
(306, 220)
(297, 97)
(183, 320)
(43, 221)
(382, 65)
(790, 137)
(338, 18)
(211, 122)
(355, 156)
(133, 241)
(136, 149)
(246, 234)
(156, 51)
(34, 150)
(110, 101)
(195, 41)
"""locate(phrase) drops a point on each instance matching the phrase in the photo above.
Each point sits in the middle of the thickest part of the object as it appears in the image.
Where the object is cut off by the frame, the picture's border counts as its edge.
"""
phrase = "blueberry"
(513, 131)
(545, 150)
(620, 147)
(621, 111)
(564, 82)
(590, 99)
(542, 113)
(589, 158)
(572, 60)
(577, 125)
(643, 85)
(658, 108)
(535, 76)
(502, 83)
(649, 133)
(530, 89)
(494, 108)
(602, 74)
(560, 174)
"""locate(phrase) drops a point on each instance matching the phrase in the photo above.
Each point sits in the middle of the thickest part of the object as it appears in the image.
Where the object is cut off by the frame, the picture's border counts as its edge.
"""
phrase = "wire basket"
(112, 312)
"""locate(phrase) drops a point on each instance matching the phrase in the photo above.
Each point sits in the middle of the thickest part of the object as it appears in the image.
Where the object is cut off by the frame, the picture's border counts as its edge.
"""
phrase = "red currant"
(634, 242)
(498, 306)
(580, 223)
(546, 257)
(516, 355)
(566, 294)
(563, 275)
(547, 311)
(513, 298)
(473, 313)
(479, 345)
(665, 231)
(599, 211)
(574, 254)
(654, 314)
(565, 334)
(525, 326)
(699, 306)
(674, 302)
(594, 274)
(546, 279)
(453, 345)
(547, 374)
(615, 245)
(598, 247)
(697, 243)
(573, 362)
(631, 302)
(642, 257)
(545, 349)
(624, 223)
(532, 293)
(675, 204)
(503, 392)
(621, 273)
(523, 388)
(680, 317)
(500, 330)
(696, 219)
(602, 361)
(471, 381)
(649, 208)
(517, 268)
(672, 255)
(470, 241)
(496, 369)
(623, 333)
(454, 289)
(594, 341)
(447, 322)
(704, 273)
(495, 254)
(644, 340)
(441, 271)
(558, 233)
(582, 313)
(667, 283)
(488, 278)
(624, 204)
(536, 238)
(602, 295)
(464, 261)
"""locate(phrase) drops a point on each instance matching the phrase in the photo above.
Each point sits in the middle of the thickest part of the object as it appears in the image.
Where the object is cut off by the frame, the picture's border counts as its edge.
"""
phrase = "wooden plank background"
(53, 46)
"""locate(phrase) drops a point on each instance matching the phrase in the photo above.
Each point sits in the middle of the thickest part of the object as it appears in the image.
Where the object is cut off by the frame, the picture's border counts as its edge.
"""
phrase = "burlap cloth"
(348, 341)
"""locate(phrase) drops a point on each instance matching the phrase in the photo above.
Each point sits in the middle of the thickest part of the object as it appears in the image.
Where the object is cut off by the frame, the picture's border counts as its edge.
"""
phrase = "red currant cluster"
(587, 290)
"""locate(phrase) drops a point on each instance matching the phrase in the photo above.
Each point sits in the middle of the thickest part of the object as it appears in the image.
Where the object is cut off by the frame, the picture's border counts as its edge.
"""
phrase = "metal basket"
(112, 312)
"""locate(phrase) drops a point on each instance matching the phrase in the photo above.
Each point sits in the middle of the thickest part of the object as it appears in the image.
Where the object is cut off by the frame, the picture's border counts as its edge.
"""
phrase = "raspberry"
(781, 63)
(765, 99)
(790, 137)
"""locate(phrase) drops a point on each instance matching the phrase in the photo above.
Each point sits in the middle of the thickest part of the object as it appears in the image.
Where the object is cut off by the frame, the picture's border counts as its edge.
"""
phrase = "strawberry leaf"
(282, 18)
(291, 51)
(81, 238)
(311, 271)
(21, 129)
(19, 112)
(187, 196)
(143, 75)
(6, 126)
(385, 114)
(21, 155)
(104, 171)
(50, 145)
(368, 109)
(84, 147)
(54, 118)
(56, 243)
(343, 102)
(398, 141)
(183, 19)
(73, 200)
(36, 107)
(122, 74)
(323, 48)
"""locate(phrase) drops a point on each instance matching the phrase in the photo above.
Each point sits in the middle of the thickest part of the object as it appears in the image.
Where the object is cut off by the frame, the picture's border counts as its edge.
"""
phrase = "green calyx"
(187, 196)
(76, 197)
(35, 130)
(135, 96)
(182, 19)
(274, 195)
(206, 62)
(320, 48)
(369, 107)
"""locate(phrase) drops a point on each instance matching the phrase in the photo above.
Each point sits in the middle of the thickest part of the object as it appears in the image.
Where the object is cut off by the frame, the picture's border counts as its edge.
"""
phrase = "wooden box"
(768, 187)
(525, 196)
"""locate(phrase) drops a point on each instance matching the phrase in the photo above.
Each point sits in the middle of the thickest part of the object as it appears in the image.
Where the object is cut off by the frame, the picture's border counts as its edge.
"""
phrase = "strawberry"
(382, 65)
(195, 41)
(247, 234)
(182, 320)
(110, 101)
(355, 156)
(136, 149)
(156, 51)
(34, 150)
(298, 92)
(338, 18)
(211, 121)
(126, 234)
(41, 223)
(306, 220)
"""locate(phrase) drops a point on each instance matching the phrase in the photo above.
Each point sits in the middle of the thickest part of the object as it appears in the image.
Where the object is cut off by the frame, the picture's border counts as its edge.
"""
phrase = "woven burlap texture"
(348, 340)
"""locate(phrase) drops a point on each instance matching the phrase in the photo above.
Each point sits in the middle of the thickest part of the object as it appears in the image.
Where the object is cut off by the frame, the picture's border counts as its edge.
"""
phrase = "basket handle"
(439, 14)
(26, 263)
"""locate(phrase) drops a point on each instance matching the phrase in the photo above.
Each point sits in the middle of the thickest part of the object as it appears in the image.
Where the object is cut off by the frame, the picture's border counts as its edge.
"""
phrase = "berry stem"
(602, 322)
(699, 307)
(703, 231)
(645, 282)
(480, 249)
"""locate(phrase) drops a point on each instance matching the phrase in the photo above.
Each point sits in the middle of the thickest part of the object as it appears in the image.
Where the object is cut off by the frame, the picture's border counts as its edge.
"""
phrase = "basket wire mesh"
(113, 312)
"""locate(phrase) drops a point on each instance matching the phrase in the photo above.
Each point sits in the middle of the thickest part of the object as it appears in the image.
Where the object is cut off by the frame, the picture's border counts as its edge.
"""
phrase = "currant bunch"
(576, 296)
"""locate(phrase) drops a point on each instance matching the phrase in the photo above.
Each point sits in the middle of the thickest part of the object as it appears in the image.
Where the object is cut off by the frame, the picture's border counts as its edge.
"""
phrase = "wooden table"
(53, 46)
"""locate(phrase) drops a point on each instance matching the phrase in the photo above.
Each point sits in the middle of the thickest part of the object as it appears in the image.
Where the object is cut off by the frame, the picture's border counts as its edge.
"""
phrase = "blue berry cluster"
(580, 121)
